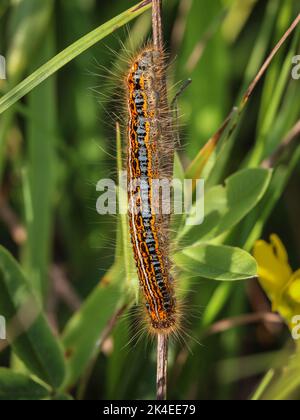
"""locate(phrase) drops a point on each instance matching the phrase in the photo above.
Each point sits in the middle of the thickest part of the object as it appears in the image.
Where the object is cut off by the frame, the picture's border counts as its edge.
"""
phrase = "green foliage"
(83, 331)
(28, 331)
(66, 56)
(15, 386)
(56, 252)
(226, 206)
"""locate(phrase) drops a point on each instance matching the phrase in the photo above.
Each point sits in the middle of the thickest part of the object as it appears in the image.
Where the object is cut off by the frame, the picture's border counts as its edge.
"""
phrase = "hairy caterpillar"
(148, 158)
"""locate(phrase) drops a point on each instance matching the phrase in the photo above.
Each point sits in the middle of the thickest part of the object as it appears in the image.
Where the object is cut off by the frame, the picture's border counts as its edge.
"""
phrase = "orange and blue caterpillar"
(149, 150)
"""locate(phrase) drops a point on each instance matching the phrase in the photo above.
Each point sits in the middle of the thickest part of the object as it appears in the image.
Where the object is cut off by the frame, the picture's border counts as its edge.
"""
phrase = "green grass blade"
(67, 55)
(41, 177)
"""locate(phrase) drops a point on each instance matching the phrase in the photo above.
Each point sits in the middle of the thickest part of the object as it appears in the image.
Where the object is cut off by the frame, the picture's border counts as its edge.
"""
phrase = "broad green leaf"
(27, 329)
(226, 206)
(83, 331)
(16, 387)
(216, 262)
(67, 55)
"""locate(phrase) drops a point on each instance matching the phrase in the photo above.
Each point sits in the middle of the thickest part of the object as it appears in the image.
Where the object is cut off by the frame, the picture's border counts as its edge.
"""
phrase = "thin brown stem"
(162, 367)
(270, 59)
(63, 288)
(239, 321)
(157, 26)
(142, 4)
(162, 340)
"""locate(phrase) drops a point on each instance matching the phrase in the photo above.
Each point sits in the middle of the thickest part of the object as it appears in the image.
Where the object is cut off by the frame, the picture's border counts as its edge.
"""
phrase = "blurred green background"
(58, 141)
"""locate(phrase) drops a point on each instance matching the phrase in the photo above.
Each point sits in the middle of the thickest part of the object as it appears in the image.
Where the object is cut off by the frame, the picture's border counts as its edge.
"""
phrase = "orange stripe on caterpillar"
(146, 139)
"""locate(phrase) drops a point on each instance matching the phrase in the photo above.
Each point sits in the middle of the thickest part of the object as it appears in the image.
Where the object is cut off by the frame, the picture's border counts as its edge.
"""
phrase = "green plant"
(45, 165)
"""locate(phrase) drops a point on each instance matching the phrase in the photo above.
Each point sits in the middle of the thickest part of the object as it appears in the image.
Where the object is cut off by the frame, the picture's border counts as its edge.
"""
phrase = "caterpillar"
(148, 159)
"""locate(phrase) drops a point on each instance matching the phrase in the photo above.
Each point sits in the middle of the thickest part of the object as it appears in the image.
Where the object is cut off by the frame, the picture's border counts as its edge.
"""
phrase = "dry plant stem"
(258, 77)
(162, 340)
(157, 27)
(270, 59)
(162, 367)
(142, 4)
(158, 42)
(63, 288)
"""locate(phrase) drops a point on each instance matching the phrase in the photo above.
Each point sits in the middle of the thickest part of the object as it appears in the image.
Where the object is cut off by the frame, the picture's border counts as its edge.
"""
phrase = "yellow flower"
(277, 278)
